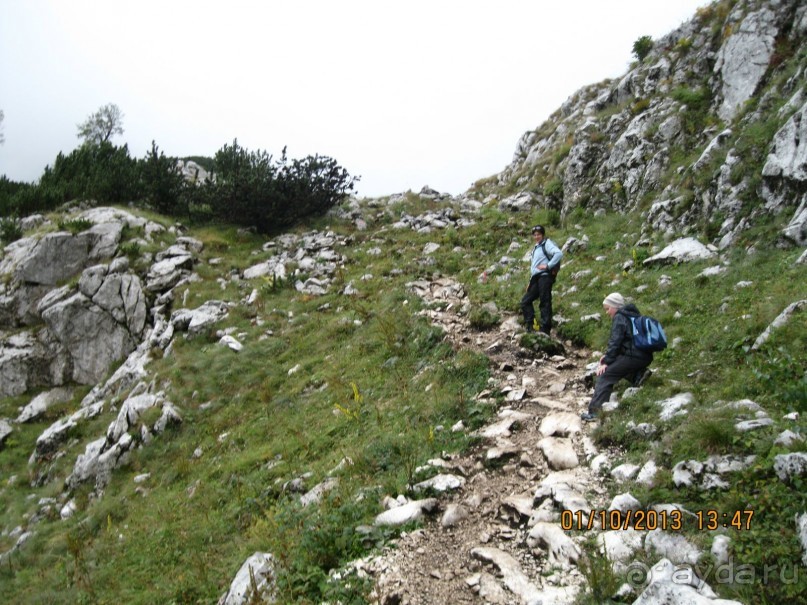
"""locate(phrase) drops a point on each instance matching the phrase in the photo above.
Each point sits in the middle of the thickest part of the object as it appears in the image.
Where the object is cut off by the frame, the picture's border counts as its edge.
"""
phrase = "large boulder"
(59, 256)
(43, 402)
(681, 251)
(92, 336)
(25, 362)
(744, 59)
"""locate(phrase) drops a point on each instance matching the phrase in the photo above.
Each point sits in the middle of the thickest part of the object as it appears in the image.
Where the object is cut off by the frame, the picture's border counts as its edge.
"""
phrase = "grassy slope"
(375, 384)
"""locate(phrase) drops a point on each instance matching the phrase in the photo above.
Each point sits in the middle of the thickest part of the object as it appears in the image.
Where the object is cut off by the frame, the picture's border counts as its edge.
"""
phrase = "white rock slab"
(559, 453)
(560, 424)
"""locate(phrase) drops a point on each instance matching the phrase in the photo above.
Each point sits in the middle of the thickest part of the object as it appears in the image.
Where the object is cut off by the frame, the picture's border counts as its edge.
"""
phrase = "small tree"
(642, 47)
(162, 182)
(102, 125)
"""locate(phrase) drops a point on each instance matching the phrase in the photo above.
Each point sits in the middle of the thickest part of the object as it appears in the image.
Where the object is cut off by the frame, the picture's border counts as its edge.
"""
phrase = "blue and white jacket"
(545, 253)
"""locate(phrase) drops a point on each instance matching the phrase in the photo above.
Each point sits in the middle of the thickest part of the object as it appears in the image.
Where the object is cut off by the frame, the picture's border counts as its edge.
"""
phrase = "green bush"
(250, 189)
(642, 47)
(554, 188)
(102, 172)
(697, 102)
(163, 184)
(10, 230)
(74, 226)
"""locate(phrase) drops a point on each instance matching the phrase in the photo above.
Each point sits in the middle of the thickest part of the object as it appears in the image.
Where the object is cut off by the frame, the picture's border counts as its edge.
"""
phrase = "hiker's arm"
(615, 340)
(557, 255)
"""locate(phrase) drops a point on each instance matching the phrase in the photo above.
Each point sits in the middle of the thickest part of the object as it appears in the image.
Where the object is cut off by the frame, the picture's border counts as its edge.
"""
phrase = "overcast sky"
(403, 94)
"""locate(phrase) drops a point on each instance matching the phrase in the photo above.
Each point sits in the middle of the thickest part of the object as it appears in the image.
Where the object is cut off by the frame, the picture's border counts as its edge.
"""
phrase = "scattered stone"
(440, 483)
(720, 549)
(780, 321)
(454, 514)
(561, 424)
(788, 466)
(681, 251)
(559, 453)
(647, 476)
(788, 438)
(674, 547)
(560, 548)
(401, 515)
(513, 576)
(315, 495)
(801, 526)
(675, 406)
(257, 572)
(625, 503)
(752, 425)
(231, 343)
(625, 472)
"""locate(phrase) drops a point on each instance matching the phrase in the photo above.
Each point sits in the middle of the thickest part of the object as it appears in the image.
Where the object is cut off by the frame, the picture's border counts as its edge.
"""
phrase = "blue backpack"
(648, 335)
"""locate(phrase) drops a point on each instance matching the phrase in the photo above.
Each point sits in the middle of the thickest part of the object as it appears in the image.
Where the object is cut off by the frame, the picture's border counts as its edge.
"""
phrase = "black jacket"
(621, 340)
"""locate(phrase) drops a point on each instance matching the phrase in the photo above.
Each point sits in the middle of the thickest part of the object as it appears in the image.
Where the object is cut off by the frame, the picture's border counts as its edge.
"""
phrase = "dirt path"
(498, 539)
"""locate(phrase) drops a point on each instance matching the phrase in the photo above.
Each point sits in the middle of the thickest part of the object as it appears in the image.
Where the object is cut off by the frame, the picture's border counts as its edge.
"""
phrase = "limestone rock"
(675, 406)
(559, 453)
(801, 526)
(743, 59)
(42, 402)
(668, 583)
(560, 423)
(624, 472)
(401, 515)
(24, 363)
(503, 428)
(195, 321)
(93, 338)
(681, 250)
(620, 545)
(315, 494)
(560, 548)
(5, 430)
(512, 574)
(260, 568)
(788, 466)
(780, 320)
(440, 483)
(624, 503)
(674, 547)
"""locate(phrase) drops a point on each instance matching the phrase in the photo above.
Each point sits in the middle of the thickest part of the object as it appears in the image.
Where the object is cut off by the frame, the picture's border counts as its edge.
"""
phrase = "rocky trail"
(495, 536)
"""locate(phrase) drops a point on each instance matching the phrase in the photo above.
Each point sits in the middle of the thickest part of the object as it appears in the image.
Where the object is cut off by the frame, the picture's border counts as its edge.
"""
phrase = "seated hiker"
(622, 359)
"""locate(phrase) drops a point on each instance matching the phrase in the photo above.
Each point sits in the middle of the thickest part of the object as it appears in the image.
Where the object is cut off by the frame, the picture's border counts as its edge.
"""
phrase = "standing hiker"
(544, 266)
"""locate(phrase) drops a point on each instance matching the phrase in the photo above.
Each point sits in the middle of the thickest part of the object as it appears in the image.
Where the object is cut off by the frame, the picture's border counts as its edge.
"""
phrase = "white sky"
(403, 94)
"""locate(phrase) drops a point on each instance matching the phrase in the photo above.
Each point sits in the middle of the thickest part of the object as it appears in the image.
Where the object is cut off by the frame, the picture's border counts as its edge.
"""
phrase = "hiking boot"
(588, 417)
(528, 327)
(642, 377)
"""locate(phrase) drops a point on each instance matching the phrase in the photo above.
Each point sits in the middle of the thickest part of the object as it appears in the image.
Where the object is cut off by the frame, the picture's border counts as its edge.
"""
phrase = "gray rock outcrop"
(258, 571)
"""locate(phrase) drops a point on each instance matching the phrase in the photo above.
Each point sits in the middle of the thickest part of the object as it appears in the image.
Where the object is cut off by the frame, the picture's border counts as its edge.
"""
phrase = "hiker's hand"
(601, 369)
(541, 267)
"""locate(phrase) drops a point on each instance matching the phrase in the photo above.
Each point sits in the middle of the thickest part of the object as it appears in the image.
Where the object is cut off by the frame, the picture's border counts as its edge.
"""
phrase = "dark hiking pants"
(540, 289)
(622, 367)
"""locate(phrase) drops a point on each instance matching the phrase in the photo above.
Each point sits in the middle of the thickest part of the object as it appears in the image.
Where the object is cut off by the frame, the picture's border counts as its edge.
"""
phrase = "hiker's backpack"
(648, 335)
(554, 271)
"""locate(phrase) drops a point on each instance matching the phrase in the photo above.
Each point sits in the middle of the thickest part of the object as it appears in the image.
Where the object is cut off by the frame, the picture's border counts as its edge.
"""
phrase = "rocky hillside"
(350, 412)
(704, 135)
